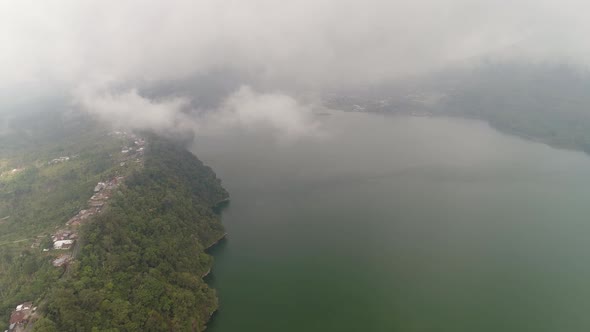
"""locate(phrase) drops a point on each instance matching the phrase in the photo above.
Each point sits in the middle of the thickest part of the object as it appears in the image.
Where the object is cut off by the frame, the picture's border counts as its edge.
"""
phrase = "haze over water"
(401, 224)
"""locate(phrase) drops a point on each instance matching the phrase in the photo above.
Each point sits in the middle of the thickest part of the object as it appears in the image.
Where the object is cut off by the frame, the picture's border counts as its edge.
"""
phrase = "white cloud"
(306, 41)
(278, 44)
(243, 110)
(130, 110)
(249, 110)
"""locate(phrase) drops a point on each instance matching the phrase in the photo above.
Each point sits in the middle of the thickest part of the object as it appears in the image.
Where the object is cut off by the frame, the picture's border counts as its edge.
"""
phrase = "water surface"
(401, 224)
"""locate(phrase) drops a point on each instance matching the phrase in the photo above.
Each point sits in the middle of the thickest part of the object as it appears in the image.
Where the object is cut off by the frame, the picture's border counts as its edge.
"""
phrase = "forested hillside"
(139, 253)
(50, 162)
(142, 261)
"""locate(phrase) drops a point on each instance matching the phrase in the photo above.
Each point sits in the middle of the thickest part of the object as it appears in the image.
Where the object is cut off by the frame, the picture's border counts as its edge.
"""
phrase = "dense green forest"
(139, 263)
(142, 262)
(37, 195)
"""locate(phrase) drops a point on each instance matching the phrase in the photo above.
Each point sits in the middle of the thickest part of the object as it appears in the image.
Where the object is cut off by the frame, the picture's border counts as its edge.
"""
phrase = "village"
(61, 159)
(64, 239)
(20, 316)
(12, 171)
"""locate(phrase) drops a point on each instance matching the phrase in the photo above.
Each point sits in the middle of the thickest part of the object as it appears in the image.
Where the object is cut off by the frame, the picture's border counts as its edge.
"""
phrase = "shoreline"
(223, 236)
(499, 128)
(217, 207)
(207, 273)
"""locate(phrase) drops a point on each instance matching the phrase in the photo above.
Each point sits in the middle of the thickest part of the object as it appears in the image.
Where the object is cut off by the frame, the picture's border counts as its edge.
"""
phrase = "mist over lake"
(391, 223)
(312, 165)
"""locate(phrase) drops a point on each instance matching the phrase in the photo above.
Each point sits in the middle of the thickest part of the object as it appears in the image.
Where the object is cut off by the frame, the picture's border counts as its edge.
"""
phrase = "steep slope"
(142, 260)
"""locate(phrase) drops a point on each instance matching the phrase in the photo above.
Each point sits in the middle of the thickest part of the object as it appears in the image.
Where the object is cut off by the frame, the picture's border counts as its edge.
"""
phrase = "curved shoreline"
(223, 236)
(208, 272)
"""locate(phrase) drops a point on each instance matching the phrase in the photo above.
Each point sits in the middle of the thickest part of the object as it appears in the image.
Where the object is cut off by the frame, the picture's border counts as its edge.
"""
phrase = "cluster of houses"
(109, 185)
(65, 239)
(132, 152)
(136, 151)
(82, 216)
(124, 134)
(20, 317)
(62, 239)
(12, 171)
(138, 142)
(102, 192)
(61, 260)
(58, 160)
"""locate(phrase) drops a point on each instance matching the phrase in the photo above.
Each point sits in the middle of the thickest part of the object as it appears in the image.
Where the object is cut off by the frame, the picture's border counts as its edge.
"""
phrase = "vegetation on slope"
(36, 196)
(142, 263)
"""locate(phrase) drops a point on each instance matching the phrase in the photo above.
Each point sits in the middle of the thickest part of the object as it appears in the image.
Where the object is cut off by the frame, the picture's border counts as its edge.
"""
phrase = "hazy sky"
(93, 46)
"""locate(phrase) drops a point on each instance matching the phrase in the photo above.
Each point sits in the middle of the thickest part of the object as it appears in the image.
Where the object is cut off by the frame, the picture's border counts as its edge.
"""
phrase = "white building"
(99, 186)
(63, 244)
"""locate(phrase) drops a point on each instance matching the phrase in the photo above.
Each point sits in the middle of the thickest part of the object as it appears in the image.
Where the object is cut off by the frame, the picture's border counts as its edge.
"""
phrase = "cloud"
(130, 110)
(286, 45)
(306, 41)
(249, 110)
(244, 109)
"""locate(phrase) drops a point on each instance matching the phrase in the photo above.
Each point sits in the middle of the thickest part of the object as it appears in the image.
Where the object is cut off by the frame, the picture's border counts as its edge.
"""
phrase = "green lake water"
(400, 224)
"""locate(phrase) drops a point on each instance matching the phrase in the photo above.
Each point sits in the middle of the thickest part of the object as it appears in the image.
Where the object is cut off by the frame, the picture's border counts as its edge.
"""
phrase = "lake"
(390, 223)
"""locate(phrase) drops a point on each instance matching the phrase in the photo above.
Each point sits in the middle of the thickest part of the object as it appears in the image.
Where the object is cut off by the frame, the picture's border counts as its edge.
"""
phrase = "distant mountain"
(550, 103)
